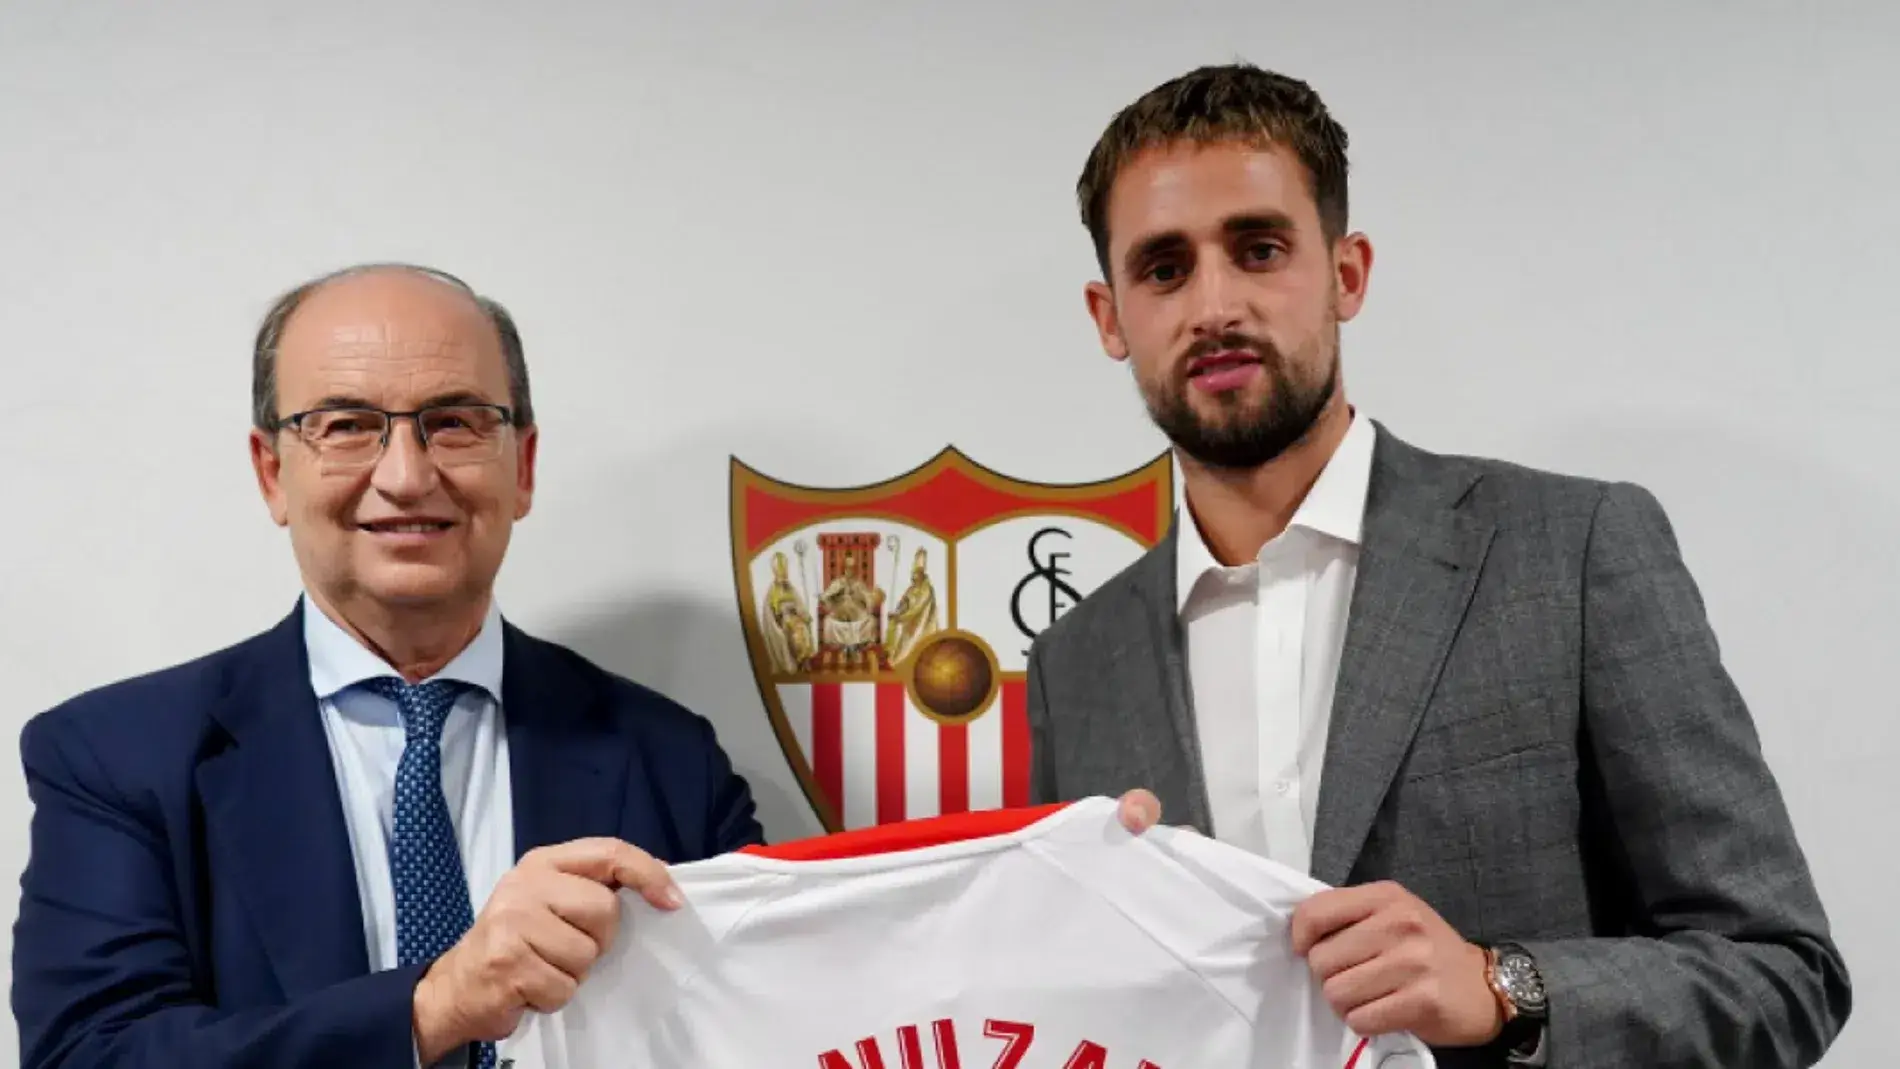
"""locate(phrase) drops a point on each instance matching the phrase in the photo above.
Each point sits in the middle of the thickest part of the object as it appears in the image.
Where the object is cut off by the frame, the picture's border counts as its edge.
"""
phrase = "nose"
(405, 471)
(1217, 298)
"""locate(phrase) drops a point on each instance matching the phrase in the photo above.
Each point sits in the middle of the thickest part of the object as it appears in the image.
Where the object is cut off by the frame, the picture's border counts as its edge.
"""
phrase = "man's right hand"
(547, 922)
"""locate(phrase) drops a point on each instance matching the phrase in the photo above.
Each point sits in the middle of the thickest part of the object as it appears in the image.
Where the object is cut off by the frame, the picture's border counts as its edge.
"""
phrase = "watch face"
(1519, 979)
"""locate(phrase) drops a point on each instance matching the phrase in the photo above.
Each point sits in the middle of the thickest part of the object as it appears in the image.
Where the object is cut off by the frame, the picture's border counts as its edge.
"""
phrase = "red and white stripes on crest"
(879, 760)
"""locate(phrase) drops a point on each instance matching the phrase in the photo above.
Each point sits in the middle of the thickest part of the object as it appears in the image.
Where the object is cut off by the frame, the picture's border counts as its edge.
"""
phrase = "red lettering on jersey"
(910, 1045)
(1088, 1056)
(945, 1034)
(869, 1057)
(910, 1050)
(1017, 1037)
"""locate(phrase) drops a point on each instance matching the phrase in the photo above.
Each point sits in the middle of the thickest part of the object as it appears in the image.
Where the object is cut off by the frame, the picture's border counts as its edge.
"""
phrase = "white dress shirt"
(366, 740)
(1263, 647)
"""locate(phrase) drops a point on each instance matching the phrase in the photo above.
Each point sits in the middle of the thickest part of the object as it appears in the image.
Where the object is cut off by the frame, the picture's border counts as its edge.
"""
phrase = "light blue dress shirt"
(366, 738)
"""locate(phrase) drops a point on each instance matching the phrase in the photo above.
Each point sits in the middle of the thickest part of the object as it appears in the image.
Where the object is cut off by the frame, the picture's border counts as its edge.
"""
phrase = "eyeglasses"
(351, 438)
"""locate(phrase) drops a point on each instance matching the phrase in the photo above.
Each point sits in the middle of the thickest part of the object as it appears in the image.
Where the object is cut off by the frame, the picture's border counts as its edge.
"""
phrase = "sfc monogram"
(889, 625)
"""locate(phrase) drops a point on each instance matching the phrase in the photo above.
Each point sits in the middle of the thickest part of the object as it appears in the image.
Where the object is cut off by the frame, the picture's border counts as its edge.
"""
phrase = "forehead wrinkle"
(392, 343)
(403, 392)
(396, 335)
(400, 376)
(395, 341)
(362, 368)
(430, 349)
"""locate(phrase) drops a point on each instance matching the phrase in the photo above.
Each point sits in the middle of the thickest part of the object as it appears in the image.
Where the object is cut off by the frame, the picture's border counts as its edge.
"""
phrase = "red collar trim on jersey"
(906, 835)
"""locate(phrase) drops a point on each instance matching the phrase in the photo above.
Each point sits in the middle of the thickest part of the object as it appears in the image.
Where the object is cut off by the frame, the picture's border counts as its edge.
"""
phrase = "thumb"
(1140, 810)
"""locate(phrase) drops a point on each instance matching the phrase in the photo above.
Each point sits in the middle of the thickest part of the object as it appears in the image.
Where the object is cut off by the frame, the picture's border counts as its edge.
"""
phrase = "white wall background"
(1627, 239)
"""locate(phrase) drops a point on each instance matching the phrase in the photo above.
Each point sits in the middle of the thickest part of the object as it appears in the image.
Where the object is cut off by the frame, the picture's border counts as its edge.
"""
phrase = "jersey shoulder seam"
(1045, 855)
(784, 882)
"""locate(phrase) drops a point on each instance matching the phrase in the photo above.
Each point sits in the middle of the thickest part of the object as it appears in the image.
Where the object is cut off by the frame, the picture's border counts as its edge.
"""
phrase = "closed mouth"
(405, 526)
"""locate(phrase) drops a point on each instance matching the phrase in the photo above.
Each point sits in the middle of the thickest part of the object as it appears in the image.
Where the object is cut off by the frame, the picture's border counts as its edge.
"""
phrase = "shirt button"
(1281, 786)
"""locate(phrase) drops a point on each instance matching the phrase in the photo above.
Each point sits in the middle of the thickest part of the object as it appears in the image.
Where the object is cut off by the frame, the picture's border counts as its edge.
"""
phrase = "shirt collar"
(1334, 507)
(338, 661)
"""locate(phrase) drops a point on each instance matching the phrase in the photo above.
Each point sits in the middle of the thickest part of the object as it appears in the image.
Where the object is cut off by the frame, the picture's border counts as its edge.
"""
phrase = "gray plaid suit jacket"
(1534, 733)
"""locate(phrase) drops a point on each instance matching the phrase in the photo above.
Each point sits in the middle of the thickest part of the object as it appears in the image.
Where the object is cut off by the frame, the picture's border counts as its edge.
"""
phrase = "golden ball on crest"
(951, 677)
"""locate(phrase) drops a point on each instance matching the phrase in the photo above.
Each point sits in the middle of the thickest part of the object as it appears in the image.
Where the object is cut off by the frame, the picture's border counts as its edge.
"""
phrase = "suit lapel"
(1418, 567)
(1155, 588)
(272, 808)
(567, 759)
(272, 811)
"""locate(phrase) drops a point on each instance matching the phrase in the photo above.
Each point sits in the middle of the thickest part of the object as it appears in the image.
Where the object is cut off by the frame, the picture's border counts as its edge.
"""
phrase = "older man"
(377, 833)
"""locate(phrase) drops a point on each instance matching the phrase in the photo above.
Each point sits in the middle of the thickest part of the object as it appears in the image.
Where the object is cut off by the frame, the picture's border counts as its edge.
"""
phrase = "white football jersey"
(1040, 938)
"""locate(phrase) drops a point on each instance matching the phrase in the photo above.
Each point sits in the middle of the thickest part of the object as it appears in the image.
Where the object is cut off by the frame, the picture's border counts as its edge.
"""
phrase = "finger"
(593, 857)
(591, 907)
(613, 863)
(1400, 1011)
(533, 891)
(1326, 912)
(1364, 983)
(1347, 948)
(560, 944)
(543, 987)
(1140, 810)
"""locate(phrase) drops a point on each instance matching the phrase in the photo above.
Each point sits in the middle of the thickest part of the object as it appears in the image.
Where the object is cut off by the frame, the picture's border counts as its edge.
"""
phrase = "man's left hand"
(1389, 963)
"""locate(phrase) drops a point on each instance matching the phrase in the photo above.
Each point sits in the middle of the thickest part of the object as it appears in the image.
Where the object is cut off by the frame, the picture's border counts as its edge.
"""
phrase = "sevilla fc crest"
(889, 625)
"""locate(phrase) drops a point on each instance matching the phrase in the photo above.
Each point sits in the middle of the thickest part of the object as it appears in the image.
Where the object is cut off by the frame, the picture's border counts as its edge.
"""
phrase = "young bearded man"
(1482, 701)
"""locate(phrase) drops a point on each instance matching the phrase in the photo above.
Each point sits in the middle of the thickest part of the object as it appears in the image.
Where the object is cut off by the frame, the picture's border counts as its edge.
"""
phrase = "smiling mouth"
(405, 526)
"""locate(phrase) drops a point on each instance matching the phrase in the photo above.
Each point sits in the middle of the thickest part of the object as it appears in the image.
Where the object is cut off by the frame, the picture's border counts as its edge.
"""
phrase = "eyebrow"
(1170, 240)
(453, 397)
(458, 397)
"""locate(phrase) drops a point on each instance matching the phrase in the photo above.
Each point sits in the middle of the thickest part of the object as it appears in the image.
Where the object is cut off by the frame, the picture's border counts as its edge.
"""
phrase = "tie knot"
(425, 706)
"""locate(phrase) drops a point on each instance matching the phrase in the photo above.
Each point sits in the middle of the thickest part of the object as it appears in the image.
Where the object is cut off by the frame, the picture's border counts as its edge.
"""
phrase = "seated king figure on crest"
(850, 608)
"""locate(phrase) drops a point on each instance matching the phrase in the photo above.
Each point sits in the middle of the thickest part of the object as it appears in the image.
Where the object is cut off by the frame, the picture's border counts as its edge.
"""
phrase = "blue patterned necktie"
(425, 862)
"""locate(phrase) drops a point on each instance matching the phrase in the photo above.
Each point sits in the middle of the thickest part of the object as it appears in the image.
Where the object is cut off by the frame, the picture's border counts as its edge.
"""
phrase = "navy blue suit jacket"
(191, 900)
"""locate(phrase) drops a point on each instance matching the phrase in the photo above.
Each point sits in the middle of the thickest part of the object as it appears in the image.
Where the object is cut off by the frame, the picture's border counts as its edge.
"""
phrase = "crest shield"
(888, 625)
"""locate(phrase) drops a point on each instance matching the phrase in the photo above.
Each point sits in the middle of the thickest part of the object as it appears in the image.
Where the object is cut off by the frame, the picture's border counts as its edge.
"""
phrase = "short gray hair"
(270, 333)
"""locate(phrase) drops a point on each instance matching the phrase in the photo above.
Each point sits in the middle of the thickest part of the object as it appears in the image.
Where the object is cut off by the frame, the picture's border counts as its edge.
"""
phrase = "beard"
(1246, 434)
